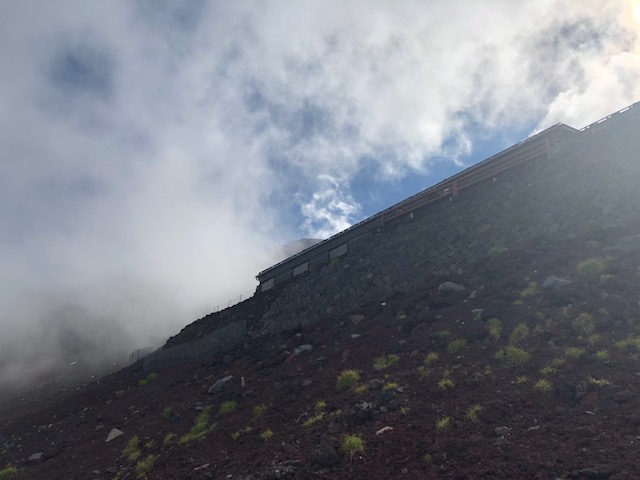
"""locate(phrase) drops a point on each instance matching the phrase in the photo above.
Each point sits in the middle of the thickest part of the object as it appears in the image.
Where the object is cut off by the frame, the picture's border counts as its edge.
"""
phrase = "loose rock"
(448, 287)
(220, 384)
(114, 433)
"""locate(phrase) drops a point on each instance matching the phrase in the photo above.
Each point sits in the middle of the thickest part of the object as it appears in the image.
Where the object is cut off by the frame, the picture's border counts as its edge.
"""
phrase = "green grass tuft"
(472, 413)
(494, 327)
(430, 359)
(573, 352)
(513, 356)
(446, 384)
(456, 345)
(143, 466)
(201, 427)
(584, 324)
(8, 472)
(347, 379)
(543, 385)
(227, 407)
(132, 449)
(591, 268)
(258, 411)
(443, 423)
(518, 334)
(351, 445)
(381, 363)
(311, 420)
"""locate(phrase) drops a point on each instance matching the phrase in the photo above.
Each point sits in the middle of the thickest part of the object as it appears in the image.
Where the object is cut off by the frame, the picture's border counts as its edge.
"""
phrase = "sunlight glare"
(635, 10)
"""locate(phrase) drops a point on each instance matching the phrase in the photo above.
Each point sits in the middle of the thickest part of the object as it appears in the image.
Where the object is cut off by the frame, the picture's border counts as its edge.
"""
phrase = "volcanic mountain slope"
(532, 371)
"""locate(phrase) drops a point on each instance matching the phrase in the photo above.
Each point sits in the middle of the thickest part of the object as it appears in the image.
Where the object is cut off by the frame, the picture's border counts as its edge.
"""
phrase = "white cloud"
(150, 150)
(329, 210)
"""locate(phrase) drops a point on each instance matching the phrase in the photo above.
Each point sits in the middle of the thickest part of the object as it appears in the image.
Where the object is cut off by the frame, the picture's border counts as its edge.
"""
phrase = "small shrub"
(143, 382)
(227, 407)
(320, 405)
(472, 413)
(132, 449)
(428, 458)
(351, 445)
(404, 411)
(167, 412)
(390, 386)
(8, 472)
(602, 354)
(152, 376)
(258, 410)
(456, 345)
(584, 324)
(519, 333)
(496, 251)
(522, 379)
(430, 359)
(424, 372)
(543, 385)
(494, 327)
(266, 435)
(381, 363)
(443, 423)
(347, 379)
(558, 362)
(119, 393)
(443, 334)
(143, 466)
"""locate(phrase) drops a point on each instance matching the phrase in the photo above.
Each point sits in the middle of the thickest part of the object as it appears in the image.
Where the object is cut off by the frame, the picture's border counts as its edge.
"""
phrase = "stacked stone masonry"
(585, 184)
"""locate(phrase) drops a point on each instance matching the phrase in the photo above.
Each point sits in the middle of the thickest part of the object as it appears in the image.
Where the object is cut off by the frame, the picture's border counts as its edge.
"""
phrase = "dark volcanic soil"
(418, 420)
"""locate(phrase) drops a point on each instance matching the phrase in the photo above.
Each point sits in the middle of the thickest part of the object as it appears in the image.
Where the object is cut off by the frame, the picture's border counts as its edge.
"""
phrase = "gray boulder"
(114, 433)
(552, 282)
(449, 287)
(220, 384)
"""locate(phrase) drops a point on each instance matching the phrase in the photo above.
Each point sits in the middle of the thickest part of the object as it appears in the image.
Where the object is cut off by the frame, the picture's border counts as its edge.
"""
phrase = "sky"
(154, 153)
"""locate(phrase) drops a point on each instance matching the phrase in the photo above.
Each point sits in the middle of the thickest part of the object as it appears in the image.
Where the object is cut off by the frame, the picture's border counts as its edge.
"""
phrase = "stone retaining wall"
(217, 343)
(585, 185)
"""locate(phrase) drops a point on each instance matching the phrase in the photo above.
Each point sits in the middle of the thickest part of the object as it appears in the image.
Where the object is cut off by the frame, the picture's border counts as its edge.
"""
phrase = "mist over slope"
(150, 150)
